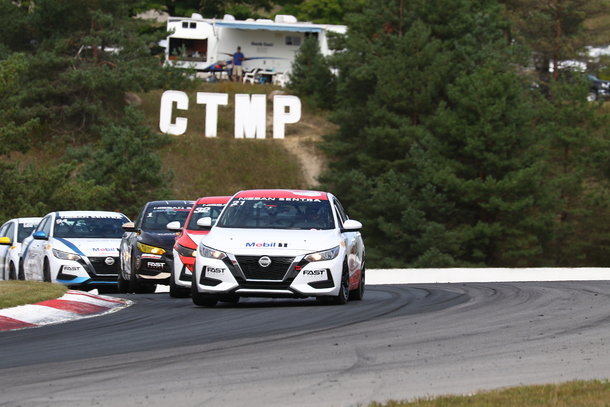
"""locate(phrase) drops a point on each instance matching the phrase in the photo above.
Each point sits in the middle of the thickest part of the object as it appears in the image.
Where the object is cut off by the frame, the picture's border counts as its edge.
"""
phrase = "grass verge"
(594, 393)
(15, 293)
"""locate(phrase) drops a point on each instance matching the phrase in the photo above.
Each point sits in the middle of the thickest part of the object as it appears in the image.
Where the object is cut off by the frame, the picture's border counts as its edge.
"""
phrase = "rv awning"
(268, 27)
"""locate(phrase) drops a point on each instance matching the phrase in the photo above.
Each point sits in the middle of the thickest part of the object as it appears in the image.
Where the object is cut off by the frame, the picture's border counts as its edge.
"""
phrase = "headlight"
(324, 255)
(185, 251)
(144, 248)
(211, 253)
(65, 256)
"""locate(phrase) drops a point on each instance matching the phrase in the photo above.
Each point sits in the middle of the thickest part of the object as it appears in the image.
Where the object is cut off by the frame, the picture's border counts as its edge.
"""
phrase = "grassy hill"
(223, 165)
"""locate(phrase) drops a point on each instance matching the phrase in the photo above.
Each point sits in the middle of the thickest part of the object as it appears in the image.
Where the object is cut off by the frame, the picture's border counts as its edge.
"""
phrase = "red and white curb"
(71, 306)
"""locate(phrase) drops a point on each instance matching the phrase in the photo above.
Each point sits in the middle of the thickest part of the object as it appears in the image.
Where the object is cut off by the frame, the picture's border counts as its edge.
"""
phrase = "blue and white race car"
(77, 248)
(282, 244)
(12, 234)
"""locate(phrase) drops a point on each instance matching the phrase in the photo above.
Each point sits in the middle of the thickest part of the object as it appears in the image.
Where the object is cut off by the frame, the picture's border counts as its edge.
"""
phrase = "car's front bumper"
(88, 271)
(181, 272)
(286, 277)
(153, 269)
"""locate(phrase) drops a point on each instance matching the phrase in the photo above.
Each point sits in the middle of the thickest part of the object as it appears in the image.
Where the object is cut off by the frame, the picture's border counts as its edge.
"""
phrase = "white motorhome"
(206, 45)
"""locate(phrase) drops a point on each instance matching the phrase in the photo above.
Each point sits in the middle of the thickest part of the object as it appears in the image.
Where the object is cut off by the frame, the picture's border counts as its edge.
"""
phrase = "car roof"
(24, 220)
(213, 199)
(170, 203)
(282, 194)
(74, 214)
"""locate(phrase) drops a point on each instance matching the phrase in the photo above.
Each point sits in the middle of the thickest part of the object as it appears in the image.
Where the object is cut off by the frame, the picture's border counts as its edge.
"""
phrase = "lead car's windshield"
(275, 214)
(89, 227)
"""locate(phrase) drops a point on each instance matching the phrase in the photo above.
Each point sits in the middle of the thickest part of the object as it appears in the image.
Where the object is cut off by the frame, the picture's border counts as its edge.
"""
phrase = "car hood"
(88, 247)
(273, 242)
(164, 239)
(192, 239)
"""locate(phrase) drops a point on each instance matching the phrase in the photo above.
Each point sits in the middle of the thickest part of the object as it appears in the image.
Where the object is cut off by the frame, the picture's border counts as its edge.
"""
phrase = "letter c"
(165, 117)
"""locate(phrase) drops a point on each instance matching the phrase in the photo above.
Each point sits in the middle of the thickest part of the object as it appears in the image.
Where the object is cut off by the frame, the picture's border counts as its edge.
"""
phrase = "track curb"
(71, 306)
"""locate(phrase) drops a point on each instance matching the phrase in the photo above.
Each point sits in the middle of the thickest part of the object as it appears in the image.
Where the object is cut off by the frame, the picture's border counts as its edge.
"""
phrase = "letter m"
(250, 116)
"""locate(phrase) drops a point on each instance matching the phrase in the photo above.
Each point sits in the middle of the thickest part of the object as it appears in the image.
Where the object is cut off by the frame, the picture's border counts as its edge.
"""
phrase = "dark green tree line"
(557, 30)
(446, 154)
(311, 76)
(73, 66)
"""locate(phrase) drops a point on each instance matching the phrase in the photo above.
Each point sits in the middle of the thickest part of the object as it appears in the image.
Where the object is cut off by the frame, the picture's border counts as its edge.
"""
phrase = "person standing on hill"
(238, 57)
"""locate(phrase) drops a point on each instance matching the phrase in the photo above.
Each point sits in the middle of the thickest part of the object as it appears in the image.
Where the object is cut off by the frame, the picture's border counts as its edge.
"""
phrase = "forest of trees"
(459, 143)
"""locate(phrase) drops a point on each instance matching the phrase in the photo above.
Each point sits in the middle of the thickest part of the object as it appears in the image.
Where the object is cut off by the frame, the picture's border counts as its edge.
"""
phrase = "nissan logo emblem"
(264, 261)
(109, 261)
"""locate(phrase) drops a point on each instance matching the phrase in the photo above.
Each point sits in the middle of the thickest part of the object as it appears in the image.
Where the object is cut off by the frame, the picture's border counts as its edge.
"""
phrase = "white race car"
(77, 248)
(12, 234)
(280, 244)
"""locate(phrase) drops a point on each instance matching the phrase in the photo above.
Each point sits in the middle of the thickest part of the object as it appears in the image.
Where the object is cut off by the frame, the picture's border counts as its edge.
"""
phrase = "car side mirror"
(40, 235)
(174, 226)
(205, 223)
(6, 241)
(128, 227)
(351, 225)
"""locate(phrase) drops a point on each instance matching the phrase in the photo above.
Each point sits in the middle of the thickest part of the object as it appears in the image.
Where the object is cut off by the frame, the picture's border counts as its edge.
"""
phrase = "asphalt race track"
(400, 342)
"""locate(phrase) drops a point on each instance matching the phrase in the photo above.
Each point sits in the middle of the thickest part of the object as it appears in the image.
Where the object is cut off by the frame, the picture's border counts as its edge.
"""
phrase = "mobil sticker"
(266, 244)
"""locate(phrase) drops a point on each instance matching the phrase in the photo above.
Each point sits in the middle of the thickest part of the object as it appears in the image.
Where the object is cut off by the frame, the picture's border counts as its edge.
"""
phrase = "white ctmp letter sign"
(250, 113)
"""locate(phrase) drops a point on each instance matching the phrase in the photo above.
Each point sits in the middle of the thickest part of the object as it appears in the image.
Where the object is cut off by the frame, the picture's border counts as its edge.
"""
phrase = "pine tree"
(557, 30)
(311, 77)
(447, 168)
(124, 162)
(14, 136)
(577, 135)
(77, 62)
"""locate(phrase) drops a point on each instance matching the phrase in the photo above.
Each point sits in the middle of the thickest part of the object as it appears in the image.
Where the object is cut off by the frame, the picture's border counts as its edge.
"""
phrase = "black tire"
(12, 274)
(592, 96)
(175, 291)
(21, 275)
(358, 293)
(134, 284)
(343, 295)
(201, 299)
(46, 271)
(122, 284)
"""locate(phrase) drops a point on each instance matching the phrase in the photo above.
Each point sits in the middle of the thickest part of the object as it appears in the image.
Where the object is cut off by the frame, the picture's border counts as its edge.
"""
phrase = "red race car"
(187, 241)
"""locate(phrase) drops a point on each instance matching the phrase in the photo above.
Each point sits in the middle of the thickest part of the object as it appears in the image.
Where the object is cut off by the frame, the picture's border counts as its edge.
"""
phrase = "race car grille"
(265, 285)
(275, 271)
(100, 266)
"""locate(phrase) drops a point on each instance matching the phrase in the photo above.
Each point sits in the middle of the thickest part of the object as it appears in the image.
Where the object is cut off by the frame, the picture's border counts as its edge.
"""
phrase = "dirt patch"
(302, 140)
(312, 161)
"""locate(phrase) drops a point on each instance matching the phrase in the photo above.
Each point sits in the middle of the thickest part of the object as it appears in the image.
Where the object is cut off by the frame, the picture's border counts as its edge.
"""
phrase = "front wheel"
(122, 284)
(343, 295)
(201, 299)
(176, 291)
(134, 284)
(21, 275)
(12, 274)
(358, 293)
(46, 272)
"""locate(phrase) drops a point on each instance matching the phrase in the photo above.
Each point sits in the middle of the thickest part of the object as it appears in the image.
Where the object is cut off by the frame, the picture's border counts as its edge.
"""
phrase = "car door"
(35, 252)
(353, 242)
(4, 232)
(128, 241)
